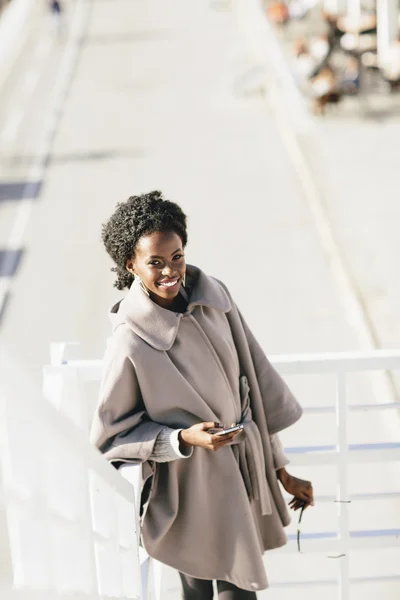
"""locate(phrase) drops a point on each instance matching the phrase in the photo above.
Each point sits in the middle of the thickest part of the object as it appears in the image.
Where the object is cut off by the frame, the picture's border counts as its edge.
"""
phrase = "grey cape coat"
(213, 514)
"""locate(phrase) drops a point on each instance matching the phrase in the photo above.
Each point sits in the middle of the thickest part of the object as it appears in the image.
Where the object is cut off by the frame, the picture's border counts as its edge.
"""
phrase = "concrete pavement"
(151, 106)
(134, 122)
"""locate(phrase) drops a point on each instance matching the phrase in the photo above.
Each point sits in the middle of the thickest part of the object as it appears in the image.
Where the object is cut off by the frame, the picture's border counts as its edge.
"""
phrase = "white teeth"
(169, 284)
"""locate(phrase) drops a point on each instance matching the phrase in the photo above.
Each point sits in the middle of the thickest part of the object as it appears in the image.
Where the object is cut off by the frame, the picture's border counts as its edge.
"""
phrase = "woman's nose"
(167, 270)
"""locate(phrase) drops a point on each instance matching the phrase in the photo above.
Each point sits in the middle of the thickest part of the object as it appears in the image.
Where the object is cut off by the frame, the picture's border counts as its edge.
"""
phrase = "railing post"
(387, 28)
(6, 566)
(63, 388)
(342, 489)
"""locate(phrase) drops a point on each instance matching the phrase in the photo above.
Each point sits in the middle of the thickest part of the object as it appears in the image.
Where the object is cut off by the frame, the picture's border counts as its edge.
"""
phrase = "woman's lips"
(169, 284)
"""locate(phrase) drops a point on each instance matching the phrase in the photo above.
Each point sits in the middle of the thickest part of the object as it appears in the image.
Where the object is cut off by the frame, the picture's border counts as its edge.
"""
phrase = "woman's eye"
(154, 263)
(178, 256)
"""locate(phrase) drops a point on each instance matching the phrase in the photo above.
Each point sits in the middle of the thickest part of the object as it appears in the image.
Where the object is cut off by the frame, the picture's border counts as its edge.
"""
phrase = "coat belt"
(249, 453)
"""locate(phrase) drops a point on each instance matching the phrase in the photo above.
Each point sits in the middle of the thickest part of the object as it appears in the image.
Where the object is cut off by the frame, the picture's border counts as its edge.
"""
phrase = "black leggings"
(202, 589)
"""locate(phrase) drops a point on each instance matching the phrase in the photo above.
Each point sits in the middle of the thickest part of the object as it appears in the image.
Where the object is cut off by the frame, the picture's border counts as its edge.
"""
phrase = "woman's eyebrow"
(153, 256)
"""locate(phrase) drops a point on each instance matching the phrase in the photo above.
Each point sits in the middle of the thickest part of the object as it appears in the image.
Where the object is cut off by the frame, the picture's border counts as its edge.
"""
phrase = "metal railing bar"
(342, 484)
(329, 498)
(11, 593)
(309, 449)
(308, 582)
(335, 546)
(352, 408)
(374, 496)
(377, 446)
(317, 582)
(375, 533)
(373, 407)
(321, 535)
(332, 362)
(354, 457)
(375, 578)
(327, 535)
(297, 363)
(351, 448)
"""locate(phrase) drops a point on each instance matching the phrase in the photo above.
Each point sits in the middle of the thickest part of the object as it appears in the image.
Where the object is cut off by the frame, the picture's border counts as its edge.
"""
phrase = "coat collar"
(158, 326)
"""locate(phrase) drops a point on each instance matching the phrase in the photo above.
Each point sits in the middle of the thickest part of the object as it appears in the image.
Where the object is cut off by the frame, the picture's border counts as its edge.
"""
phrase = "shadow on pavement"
(71, 157)
(15, 190)
(134, 36)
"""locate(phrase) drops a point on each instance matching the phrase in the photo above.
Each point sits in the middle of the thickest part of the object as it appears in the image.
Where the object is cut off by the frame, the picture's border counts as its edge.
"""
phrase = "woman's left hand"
(301, 490)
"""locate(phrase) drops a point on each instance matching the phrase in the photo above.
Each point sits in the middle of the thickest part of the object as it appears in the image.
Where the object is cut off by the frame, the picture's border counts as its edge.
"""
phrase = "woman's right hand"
(197, 435)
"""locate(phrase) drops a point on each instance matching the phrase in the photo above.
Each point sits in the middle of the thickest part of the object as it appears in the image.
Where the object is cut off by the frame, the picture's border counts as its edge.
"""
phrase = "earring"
(141, 285)
(184, 280)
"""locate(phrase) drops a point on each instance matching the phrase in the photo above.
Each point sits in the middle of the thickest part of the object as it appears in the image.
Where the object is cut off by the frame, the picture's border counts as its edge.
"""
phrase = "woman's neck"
(177, 304)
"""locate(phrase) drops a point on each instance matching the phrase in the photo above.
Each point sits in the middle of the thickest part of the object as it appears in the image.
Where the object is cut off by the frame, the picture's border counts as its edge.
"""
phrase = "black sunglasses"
(303, 507)
(298, 526)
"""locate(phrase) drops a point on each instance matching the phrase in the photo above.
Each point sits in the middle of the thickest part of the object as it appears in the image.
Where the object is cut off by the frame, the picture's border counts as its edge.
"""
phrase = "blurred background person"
(324, 89)
(320, 47)
(57, 15)
(278, 12)
(305, 63)
(391, 66)
(351, 76)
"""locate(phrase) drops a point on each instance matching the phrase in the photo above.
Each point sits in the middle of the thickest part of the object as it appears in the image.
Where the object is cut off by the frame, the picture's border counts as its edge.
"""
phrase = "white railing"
(64, 386)
(68, 522)
(68, 375)
(342, 454)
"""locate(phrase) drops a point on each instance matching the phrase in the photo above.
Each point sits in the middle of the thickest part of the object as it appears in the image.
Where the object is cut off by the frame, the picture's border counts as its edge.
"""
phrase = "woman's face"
(159, 261)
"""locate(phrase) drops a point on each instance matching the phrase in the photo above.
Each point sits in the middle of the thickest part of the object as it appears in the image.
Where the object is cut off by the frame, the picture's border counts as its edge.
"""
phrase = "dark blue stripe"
(323, 535)
(305, 449)
(381, 446)
(375, 533)
(9, 262)
(15, 190)
(351, 447)
(326, 535)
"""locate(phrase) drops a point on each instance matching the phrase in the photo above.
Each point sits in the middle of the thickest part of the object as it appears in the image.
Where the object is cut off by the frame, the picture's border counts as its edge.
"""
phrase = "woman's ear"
(129, 266)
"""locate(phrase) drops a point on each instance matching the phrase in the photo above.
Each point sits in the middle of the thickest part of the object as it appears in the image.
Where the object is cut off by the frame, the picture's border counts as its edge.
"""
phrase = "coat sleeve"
(280, 459)
(280, 405)
(121, 428)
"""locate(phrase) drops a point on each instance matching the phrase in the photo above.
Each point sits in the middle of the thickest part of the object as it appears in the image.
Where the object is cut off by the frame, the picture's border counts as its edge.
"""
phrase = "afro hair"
(139, 216)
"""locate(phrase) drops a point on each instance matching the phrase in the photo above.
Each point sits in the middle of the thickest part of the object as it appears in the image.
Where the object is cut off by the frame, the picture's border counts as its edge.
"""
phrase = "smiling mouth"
(168, 283)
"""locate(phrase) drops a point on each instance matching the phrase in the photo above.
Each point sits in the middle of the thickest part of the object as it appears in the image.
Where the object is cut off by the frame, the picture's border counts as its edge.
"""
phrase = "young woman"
(181, 367)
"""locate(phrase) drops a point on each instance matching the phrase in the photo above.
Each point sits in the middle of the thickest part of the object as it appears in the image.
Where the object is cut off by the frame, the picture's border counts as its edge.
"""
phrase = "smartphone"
(226, 431)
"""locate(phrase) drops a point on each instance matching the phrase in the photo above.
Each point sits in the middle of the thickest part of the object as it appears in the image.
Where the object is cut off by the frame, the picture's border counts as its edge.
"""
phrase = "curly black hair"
(139, 216)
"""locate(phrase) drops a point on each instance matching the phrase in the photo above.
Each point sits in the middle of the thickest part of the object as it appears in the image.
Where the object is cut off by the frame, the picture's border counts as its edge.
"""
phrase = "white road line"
(4, 290)
(280, 96)
(19, 226)
(43, 47)
(28, 86)
(265, 51)
(13, 124)
(292, 120)
(348, 293)
(30, 81)
(36, 172)
(13, 34)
